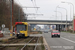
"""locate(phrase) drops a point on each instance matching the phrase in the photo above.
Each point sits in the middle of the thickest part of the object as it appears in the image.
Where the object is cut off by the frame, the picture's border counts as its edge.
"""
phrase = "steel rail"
(27, 43)
(36, 43)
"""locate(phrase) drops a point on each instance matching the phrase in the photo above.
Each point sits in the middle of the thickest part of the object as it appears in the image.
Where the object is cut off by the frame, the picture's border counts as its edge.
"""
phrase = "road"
(65, 42)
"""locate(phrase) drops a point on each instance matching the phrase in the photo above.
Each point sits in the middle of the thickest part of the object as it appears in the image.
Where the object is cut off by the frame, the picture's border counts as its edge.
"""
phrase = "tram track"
(28, 44)
(16, 40)
(34, 40)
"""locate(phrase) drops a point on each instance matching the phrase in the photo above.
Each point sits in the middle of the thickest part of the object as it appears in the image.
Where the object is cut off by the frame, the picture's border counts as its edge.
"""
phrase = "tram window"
(21, 27)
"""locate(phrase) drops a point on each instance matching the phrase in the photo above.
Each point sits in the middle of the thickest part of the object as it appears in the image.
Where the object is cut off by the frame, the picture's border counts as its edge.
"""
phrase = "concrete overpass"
(49, 22)
(58, 23)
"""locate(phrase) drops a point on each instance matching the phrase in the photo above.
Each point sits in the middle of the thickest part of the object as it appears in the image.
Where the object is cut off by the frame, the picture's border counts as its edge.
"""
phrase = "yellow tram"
(22, 29)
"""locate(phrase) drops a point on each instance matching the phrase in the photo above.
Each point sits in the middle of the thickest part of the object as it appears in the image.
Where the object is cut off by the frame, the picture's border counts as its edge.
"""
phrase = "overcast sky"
(47, 8)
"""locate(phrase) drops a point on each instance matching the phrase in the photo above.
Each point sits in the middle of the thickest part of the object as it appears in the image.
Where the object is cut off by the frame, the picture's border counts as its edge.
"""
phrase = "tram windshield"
(20, 28)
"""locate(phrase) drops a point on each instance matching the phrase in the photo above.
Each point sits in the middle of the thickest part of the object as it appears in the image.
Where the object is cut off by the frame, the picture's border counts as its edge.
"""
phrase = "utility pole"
(12, 1)
(12, 11)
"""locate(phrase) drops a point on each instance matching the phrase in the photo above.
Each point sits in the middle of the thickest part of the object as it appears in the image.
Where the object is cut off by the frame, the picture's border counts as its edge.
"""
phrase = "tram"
(22, 29)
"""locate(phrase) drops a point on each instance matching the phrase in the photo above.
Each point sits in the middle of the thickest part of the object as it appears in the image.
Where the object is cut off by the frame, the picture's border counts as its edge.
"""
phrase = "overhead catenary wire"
(34, 4)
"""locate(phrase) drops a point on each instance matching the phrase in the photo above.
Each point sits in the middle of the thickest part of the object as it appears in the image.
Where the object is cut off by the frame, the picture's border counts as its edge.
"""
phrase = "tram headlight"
(18, 33)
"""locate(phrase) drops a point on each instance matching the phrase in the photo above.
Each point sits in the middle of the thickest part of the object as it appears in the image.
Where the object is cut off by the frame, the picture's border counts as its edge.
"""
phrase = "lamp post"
(66, 16)
(70, 12)
(61, 18)
(56, 12)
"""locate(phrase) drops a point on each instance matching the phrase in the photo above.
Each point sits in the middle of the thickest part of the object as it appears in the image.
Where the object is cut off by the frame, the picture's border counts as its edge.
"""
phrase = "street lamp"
(56, 12)
(61, 17)
(73, 13)
(66, 16)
